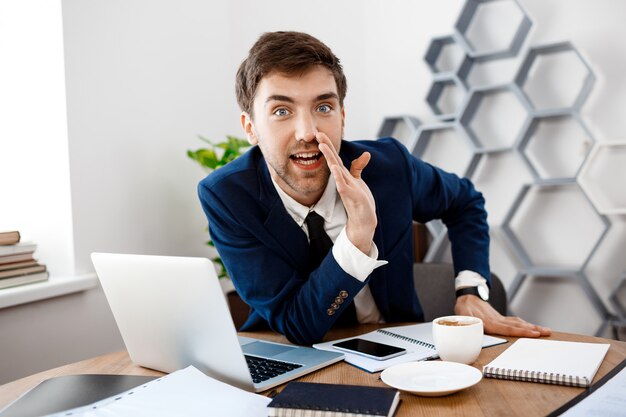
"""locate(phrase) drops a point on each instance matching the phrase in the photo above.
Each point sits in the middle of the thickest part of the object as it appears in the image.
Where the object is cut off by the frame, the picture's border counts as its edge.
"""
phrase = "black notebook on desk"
(336, 400)
(65, 392)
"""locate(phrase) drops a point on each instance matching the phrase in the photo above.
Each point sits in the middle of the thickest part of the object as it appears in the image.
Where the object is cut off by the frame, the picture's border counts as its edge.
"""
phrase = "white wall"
(34, 162)
(140, 87)
(145, 77)
(35, 194)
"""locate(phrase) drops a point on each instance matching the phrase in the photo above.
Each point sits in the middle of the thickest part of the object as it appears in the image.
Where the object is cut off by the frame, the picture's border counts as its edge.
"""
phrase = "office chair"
(434, 283)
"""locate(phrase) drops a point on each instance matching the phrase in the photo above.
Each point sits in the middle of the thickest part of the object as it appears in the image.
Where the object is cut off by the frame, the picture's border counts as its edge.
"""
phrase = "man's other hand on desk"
(496, 323)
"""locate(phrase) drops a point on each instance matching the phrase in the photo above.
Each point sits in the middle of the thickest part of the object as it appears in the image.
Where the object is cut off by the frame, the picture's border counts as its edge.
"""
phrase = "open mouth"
(306, 158)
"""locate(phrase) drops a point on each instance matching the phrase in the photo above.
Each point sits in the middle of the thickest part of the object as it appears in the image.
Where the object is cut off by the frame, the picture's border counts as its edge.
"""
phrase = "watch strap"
(468, 291)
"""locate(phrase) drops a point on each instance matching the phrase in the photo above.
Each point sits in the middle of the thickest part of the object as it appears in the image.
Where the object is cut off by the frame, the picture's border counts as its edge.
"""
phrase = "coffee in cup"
(458, 338)
(453, 323)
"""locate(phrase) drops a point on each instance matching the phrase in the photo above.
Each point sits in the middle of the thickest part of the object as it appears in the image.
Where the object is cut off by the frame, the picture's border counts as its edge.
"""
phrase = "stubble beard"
(302, 182)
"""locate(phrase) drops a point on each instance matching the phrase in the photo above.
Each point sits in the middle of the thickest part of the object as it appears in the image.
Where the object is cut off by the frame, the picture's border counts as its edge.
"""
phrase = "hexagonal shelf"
(602, 177)
(446, 96)
(553, 225)
(556, 288)
(492, 29)
(555, 76)
(474, 73)
(444, 55)
(556, 146)
(439, 241)
(435, 227)
(503, 260)
(494, 117)
(520, 138)
(403, 128)
(434, 143)
(500, 176)
(618, 298)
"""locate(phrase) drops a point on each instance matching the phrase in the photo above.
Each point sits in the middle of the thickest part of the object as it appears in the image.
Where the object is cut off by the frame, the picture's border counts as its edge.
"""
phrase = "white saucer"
(431, 379)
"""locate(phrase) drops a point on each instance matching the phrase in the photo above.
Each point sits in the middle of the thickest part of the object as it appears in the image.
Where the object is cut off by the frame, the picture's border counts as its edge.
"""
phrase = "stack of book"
(17, 264)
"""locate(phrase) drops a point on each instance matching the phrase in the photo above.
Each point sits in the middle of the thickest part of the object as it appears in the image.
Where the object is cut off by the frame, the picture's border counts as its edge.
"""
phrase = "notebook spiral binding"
(406, 339)
(536, 376)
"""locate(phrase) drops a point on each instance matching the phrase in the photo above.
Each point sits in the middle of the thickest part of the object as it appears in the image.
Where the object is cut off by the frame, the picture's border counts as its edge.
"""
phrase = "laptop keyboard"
(263, 369)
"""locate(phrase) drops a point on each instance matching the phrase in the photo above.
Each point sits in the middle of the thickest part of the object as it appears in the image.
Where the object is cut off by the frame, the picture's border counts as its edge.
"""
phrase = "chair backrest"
(434, 284)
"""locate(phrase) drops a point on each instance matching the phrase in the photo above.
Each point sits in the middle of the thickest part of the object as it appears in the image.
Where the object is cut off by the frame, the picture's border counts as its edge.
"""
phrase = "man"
(274, 212)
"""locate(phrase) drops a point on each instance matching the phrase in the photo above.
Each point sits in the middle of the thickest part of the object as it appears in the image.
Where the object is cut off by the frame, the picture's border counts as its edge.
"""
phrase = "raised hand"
(355, 194)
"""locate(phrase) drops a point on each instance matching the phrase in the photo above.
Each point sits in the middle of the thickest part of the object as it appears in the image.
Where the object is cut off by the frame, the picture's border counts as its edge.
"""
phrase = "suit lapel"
(278, 224)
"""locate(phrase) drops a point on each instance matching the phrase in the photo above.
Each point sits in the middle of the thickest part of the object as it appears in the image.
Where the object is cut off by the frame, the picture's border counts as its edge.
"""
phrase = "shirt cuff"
(352, 260)
(467, 279)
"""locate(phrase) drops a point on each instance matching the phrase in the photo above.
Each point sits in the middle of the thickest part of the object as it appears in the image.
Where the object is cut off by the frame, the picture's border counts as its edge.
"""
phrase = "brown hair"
(290, 53)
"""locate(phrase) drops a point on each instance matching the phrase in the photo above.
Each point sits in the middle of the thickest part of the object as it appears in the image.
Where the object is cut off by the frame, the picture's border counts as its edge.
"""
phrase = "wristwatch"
(478, 291)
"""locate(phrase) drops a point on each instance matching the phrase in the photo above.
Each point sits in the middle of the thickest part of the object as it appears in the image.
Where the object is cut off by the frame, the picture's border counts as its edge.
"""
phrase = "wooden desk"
(490, 397)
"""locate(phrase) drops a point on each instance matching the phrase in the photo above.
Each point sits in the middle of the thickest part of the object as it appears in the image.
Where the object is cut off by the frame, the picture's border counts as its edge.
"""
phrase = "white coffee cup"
(459, 341)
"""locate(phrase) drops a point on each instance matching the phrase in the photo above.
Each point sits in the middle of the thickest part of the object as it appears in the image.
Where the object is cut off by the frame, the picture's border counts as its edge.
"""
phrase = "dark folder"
(64, 392)
(333, 400)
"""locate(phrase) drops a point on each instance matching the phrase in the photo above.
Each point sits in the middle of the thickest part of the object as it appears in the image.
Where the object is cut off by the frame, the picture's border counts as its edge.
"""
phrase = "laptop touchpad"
(265, 349)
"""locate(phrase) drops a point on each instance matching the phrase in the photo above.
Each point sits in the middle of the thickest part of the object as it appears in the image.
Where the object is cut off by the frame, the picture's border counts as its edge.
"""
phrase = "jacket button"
(334, 306)
(330, 311)
(338, 300)
(343, 294)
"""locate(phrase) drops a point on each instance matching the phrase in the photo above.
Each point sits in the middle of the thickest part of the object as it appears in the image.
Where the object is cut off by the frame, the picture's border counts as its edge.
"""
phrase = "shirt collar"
(324, 207)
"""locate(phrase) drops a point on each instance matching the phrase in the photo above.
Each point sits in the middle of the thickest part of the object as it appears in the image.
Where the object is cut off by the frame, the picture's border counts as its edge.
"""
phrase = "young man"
(274, 212)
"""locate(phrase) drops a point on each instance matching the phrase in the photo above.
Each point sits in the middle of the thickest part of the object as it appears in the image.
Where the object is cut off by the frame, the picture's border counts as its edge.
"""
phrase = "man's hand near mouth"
(355, 194)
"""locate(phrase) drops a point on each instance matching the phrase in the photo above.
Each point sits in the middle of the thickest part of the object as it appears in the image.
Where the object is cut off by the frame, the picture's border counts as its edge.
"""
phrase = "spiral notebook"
(417, 339)
(549, 362)
(305, 399)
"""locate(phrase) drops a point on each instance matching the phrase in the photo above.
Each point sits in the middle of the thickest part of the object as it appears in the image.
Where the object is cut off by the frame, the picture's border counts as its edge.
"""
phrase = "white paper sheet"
(607, 401)
(187, 392)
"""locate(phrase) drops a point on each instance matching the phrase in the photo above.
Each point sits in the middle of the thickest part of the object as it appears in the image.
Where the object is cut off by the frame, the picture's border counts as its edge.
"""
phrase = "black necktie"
(319, 242)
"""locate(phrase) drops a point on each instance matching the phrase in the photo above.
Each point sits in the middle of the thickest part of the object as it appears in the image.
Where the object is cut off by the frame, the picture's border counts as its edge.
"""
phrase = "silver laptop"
(172, 313)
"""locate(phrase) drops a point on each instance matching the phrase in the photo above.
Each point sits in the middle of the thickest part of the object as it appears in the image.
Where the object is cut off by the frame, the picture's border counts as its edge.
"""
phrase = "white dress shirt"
(349, 257)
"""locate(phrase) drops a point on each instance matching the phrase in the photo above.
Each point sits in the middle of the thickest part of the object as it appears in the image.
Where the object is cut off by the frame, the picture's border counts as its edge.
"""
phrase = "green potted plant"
(216, 155)
(212, 157)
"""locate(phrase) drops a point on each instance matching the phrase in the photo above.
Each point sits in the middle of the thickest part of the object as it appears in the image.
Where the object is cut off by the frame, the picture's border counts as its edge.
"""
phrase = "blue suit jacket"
(267, 255)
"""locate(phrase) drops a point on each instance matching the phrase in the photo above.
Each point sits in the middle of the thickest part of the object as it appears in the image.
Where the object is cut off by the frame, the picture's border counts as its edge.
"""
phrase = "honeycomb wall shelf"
(555, 147)
(602, 177)
(433, 142)
(512, 34)
(403, 128)
(483, 114)
(531, 128)
(446, 96)
(525, 246)
(548, 76)
(579, 277)
(444, 55)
